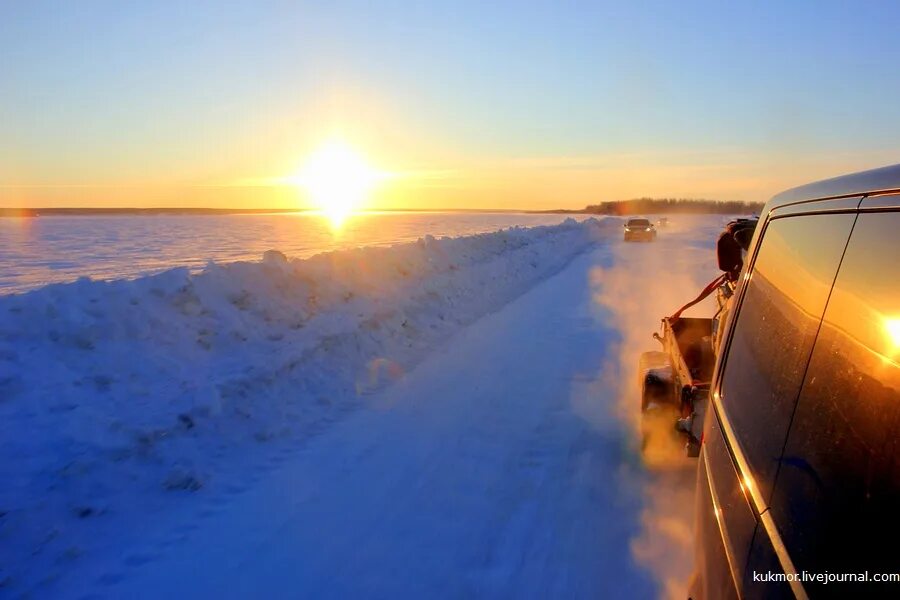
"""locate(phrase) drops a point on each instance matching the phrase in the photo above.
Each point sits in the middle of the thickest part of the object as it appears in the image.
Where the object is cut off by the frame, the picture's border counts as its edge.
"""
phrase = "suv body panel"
(716, 544)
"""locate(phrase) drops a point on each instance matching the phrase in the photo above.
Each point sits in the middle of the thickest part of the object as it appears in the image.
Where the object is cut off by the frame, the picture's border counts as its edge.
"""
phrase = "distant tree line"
(639, 206)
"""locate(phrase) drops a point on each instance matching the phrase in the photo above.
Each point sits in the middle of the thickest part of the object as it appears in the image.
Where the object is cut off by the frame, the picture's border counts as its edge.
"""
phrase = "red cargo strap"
(706, 292)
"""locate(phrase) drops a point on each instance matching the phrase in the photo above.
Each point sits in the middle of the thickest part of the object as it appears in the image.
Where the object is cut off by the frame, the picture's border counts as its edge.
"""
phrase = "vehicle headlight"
(648, 229)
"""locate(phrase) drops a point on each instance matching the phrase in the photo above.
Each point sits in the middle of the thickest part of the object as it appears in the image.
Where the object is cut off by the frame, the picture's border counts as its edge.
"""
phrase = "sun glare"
(892, 327)
(338, 180)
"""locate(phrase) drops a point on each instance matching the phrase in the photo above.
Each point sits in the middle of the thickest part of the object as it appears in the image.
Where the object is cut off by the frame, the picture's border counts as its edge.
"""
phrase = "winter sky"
(466, 104)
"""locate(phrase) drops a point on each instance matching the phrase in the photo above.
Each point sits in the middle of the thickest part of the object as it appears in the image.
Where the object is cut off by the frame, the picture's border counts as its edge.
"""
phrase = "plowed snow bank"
(115, 396)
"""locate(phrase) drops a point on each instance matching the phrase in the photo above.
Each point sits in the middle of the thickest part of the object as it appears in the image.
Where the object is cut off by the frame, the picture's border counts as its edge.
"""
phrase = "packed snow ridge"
(118, 397)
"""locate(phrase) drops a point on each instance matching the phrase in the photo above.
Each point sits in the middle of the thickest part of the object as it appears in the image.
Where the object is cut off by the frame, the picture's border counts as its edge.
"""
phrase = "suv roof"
(885, 179)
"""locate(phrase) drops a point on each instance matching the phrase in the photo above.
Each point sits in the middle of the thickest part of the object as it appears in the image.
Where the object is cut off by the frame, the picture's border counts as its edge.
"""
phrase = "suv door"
(759, 378)
(837, 493)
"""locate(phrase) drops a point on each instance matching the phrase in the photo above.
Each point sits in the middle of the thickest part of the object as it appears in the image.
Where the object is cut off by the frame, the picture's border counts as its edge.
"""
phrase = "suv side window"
(775, 330)
(838, 488)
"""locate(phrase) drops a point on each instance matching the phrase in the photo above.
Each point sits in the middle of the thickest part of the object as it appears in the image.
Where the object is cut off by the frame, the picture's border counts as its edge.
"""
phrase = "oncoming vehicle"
(799, 451)
(639, 229)
(662, 222)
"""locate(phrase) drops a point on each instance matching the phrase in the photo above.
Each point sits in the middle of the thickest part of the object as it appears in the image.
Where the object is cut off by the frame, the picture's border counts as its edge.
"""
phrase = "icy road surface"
(502, 464)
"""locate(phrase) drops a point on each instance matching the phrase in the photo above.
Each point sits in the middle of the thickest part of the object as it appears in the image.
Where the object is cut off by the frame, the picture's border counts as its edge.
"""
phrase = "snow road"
(457, 483)
(502, 465)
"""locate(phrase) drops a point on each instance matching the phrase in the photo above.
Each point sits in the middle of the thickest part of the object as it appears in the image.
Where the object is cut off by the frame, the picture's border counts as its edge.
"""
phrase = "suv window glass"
(638, 223)
(775, 331)
(838, 488)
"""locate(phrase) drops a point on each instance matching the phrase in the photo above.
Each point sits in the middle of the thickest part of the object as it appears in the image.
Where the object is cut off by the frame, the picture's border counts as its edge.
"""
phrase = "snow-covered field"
(59, 249)
(444, 418)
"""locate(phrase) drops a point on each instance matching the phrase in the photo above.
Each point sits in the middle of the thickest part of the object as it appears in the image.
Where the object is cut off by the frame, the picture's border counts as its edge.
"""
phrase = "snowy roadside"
(117, 399)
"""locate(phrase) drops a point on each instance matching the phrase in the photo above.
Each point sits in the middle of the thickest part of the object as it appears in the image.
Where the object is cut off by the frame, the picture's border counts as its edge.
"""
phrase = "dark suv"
(639, 229)
(799, 473)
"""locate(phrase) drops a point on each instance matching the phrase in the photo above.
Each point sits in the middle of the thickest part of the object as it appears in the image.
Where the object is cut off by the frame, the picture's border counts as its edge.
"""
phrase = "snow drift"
(117, 398)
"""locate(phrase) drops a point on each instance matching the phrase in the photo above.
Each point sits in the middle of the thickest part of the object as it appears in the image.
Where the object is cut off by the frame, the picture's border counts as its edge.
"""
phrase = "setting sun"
(892, 327)
(337, 179)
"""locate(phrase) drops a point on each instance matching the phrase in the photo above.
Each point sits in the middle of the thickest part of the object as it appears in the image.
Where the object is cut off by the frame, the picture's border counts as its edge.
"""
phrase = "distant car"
(662, 222)
(639, 229)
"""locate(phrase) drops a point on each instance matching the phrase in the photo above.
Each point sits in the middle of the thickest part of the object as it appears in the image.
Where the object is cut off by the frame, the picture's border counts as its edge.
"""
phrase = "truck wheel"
(661, 443)
(655, 373)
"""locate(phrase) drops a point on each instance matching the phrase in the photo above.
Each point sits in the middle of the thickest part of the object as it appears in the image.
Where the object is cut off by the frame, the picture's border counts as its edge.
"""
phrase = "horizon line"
(7, 210)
